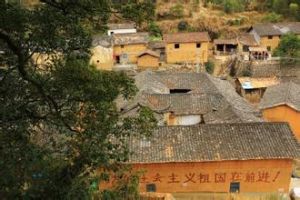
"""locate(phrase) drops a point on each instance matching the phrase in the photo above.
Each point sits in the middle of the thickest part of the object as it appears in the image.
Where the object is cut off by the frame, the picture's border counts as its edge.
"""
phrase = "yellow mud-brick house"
(187, 47)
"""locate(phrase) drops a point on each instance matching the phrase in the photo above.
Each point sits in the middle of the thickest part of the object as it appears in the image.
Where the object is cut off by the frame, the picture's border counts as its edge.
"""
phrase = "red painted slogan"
(220, 177)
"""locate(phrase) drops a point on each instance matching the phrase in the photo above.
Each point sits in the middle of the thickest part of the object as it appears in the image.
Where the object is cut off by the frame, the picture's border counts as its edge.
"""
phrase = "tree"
(289, 49)
(58, 121)
(183, 26)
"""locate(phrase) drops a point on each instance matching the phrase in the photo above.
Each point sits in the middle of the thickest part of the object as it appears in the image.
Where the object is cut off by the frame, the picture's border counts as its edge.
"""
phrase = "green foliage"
(294, 11)
(137, 11)
(289, 49)
(231, 6)
(177, 11)
(210, 66)
(154, 29)
(59, 122)
(280, 6)
(273, 17)
(183, 26)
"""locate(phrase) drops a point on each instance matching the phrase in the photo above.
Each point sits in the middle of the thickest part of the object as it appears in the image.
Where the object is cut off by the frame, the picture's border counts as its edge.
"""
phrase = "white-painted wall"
(188, 120)
(121, 31)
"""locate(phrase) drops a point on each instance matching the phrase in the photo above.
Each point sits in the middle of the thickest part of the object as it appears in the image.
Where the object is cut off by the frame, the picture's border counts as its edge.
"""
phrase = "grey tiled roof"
(282, 94)
(277, 28)
(130, 38)
(186, 37)
(215, 143)
(207, 94)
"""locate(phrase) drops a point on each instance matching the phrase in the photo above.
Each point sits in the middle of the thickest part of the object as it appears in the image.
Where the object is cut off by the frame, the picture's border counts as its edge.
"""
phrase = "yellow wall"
(133, 50)
(273, 43)
(102, 58)
(253, 175)
(286, 114)
(148, 61)
(187, 52)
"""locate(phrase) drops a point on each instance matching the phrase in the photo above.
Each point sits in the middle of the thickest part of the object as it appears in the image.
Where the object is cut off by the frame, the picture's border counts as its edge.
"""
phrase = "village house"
(189, 99)
(214, 158)
(159, 47)
(268, 35)
(148, 59)
(102, 53)
(121, 28)
(253, 88)
(245, 41)
(281, 103)
(225, 46)
(127, 47)
(187, 47)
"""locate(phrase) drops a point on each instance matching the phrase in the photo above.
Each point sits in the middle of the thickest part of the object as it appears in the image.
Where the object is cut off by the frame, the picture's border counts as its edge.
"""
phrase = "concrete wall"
(284, 113)
(121, 31)
(253, 175)
(147, 61)
(187, 52)
(132, 50)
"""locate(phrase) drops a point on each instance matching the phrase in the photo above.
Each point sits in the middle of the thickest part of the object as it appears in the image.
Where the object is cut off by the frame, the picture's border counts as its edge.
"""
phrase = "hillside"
(211, 18)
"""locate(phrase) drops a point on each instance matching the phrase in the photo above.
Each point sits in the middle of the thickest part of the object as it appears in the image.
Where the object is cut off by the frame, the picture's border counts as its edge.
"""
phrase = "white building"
(121, 28)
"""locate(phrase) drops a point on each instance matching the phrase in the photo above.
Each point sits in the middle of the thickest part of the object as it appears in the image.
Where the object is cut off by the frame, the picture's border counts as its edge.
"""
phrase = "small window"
(176, 46)
(270, 37)
(98, 61)
(268, 48)
(151, 188)
(111, 32)
(179, 91)
(234, 187)
(122, 46)
(198, 45)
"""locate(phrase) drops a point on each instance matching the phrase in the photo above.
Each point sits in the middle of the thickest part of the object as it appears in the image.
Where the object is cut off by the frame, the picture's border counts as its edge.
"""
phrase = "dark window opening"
(176, 46)
(202, 119)
(234, 187)
(198, 45)
(151, 188)
(118, 59)
(270, 37)
(179, 91)
(98, 61)
(245, 48)
(268, 48)
(111, 32)
(122, 46)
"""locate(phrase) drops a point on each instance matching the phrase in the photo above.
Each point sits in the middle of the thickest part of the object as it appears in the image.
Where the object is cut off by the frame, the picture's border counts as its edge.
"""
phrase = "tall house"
(127, 47)
(281, 103)
(187, 47)
(268, 35)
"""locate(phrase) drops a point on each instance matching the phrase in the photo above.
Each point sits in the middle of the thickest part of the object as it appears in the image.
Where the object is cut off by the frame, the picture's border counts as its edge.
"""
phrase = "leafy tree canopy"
(58, 121)
(289, 49)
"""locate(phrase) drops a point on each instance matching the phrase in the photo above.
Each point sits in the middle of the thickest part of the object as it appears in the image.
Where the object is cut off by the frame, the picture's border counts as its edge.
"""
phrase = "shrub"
(183, 26)
(209, 67)
(231, 6)
(154, 29)
(272, 17)
(177, 11)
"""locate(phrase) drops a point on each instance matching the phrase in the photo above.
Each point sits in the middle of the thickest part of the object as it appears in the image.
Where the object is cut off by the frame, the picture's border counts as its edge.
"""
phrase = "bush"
(177, 11)
(294, 10)
(183, 26)
(209, 67)
(289, 49)
(154, 29)
(272, 17)
(231, 6)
